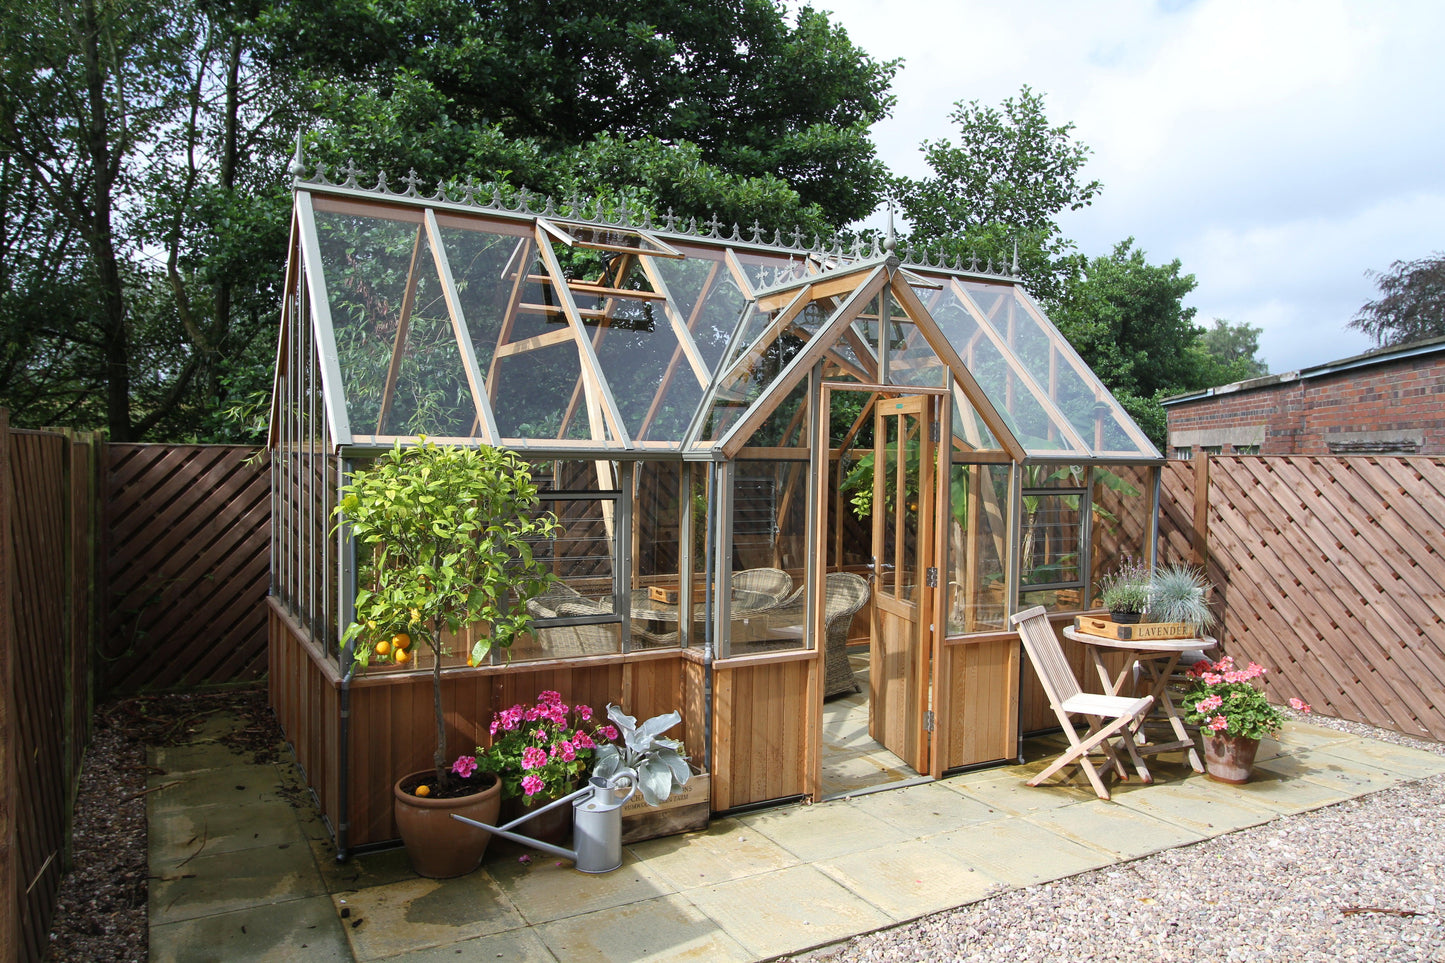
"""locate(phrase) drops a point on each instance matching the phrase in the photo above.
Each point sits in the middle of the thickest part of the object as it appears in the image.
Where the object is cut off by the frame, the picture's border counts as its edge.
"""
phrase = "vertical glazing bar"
(684, 556)
(813, 537)
(723, 571)
(622, 551)
(1015, 524)
(293, 430)
(1086, 537)
(308, 483)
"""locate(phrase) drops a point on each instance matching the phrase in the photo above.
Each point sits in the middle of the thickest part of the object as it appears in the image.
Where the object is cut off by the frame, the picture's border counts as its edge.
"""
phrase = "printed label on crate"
(1136, 632)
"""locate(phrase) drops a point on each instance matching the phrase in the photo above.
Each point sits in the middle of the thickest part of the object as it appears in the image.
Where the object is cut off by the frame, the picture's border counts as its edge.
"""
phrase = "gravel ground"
(1357, 881)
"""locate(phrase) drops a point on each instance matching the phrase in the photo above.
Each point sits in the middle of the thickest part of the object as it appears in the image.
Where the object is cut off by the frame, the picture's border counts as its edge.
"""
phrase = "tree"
(1411, 306)
(136, 226)
(511, 89)
(1127, 319)
(1004, 183)
(1229, 353)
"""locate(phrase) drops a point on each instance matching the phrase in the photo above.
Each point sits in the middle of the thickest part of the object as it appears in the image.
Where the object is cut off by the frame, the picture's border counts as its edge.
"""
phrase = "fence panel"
(188, 559)
(1328, 572)
(47, 628)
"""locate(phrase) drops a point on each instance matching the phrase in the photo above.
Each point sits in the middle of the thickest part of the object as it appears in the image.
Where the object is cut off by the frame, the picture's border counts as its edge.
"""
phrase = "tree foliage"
(1411, 305)
(1003, 183)
(1230, 353)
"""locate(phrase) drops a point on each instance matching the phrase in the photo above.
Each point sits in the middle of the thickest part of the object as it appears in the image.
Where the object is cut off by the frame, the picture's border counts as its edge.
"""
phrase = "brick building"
(1391, 400)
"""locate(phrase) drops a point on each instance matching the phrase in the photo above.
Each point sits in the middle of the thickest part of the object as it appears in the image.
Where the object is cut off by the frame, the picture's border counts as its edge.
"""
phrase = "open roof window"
(596, 237)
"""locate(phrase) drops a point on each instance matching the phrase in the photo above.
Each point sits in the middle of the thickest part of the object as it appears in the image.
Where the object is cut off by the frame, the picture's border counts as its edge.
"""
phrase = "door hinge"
(931, 577)
(935, 433)
(928, 720)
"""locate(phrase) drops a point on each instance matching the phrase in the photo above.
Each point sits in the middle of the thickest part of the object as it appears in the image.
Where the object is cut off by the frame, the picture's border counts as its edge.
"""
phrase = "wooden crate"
(663, 593)
(1135, 632)
(687, 809)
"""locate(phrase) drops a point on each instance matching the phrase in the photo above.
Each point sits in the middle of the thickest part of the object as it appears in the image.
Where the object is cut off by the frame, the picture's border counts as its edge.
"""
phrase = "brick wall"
(1388, 405)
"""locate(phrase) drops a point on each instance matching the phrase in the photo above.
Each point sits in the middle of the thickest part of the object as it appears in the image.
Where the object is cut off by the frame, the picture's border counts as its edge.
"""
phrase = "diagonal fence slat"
(188, 566)
(1328, 572)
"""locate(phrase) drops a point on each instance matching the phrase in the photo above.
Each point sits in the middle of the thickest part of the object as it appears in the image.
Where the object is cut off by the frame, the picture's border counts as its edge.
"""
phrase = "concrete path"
(243, 869)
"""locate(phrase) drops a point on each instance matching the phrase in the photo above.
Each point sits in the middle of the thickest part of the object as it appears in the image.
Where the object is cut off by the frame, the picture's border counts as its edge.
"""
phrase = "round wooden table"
(1159, 658)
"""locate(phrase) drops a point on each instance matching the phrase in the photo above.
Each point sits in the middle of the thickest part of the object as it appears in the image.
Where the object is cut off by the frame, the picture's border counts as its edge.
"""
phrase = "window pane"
(768, 556)
(977, 548)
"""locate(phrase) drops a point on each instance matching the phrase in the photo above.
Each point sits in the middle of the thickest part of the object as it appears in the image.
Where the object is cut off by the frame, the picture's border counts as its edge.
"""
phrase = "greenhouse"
(706, 411)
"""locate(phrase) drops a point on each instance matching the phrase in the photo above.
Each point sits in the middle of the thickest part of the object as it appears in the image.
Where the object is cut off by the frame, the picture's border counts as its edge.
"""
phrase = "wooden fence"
(188, 566)
(49, 622)
(1329, 573)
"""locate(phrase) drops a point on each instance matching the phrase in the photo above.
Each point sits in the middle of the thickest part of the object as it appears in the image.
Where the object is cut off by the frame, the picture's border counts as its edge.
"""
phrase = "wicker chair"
(772, 582)
(844, 594)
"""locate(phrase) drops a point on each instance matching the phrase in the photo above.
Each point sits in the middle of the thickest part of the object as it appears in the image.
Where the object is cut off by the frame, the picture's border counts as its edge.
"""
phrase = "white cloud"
(1279, 149)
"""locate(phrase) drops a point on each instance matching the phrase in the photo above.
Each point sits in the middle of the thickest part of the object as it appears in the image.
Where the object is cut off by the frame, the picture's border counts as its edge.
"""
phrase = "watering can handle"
(619, 776)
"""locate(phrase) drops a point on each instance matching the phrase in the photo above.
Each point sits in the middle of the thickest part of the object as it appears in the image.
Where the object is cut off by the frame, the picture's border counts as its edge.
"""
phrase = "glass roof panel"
(484, 265)
(638, 351)
(706, 295)
(744, 384)
(608, 238)
(1038, 428)
(382, 282)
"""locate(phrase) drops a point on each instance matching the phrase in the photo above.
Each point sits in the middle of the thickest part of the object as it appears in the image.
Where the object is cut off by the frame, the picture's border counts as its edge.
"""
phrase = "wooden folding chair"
(1067, 699)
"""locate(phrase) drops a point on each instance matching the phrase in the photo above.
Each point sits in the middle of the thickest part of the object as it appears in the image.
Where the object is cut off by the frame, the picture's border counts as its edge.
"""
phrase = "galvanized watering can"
(596, 823)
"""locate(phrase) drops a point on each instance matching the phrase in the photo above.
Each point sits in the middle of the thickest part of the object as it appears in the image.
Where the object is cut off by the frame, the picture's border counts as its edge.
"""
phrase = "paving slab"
(924, 809)
(1020, 852)
(382, 921)
(1268, 789)
(237, 784)
(1301, 735)
(788, 910)
(726, 850)
(911, 879)
(193, 757)
(823, 830)
(222, 883)
(308, 929)
(360, 872)
(1126, 833)
(513, 946)
(173, 835)
(1397, 761)
(549, 888)
(1350, 778)
(1007, 791)
(1208, 809)
(663, 929)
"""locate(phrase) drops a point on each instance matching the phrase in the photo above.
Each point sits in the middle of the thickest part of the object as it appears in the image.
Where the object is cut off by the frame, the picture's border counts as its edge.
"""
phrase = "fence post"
(10, 890)
(1200, 535)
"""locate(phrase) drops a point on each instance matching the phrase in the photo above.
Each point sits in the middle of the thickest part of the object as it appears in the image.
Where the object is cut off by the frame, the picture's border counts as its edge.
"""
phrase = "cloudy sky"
(1278, 149)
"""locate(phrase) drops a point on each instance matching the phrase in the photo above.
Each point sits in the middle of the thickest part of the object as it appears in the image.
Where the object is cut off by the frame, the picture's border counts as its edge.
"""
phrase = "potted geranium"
(1232, 715)
(444, 538)
(541, 752)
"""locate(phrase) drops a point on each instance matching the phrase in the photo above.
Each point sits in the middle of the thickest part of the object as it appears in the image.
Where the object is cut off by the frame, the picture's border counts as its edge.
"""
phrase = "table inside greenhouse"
(1159, 658)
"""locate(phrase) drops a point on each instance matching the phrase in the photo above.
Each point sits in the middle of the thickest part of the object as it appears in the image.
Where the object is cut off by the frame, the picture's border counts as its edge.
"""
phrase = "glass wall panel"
(747, 382)
(1051, 522)
(769, 529)
(656, 563)
(977, 548)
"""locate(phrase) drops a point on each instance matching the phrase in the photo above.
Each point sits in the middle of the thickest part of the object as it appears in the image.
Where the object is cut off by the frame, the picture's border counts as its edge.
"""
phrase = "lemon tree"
(445, 537)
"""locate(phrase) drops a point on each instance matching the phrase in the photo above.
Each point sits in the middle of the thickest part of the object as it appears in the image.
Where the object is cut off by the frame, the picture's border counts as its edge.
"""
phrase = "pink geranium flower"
(565, 751)
(584, 713)
(1298, 704)
(1210, 704)
(465, 766)
(1219, 723)
(531, 785)
(608, 732)
(533, 758)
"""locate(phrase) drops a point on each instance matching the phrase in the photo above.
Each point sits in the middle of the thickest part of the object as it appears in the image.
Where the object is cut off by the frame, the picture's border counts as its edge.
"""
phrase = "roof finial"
(297, 168)
(890, 243)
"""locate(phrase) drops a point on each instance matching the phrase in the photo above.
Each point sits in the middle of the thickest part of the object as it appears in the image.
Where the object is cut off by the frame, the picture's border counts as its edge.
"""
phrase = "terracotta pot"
(438, 846)
(554, 826)
(1229, 758)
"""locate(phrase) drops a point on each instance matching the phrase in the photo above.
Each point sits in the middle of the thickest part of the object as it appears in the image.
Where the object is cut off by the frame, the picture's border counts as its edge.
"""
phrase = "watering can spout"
(596, 823)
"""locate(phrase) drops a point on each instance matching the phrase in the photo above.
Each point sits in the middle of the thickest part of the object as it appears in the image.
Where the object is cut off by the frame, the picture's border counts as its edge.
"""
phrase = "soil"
(101, 913)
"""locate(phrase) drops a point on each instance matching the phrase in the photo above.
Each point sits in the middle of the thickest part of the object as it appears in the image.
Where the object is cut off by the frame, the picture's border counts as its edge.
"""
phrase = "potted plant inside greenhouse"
(444, 539)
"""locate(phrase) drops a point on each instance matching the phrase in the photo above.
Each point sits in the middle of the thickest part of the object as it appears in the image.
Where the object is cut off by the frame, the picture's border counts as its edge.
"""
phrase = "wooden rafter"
(403, 321)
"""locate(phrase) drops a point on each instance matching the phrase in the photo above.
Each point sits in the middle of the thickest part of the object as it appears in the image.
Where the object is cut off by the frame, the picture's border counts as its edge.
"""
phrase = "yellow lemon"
(423, 790)
(401, 656)
(401, 641)
(383, 647)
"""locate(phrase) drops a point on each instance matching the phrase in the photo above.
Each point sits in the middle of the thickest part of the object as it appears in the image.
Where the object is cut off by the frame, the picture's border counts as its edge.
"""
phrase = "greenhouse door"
(905, 502)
